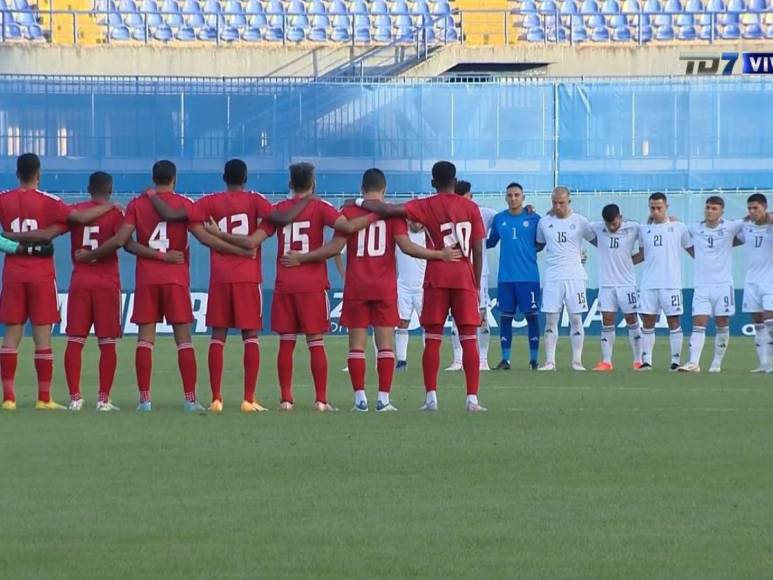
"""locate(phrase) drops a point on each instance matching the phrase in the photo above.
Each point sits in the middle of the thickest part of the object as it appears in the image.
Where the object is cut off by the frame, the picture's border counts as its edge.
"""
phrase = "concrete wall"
(560, 60)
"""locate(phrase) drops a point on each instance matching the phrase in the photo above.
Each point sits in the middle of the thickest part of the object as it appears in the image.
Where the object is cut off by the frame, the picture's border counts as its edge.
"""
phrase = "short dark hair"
(759, 198)
(610, 212)
(235, 172)
(463, 187)
(164, 172)
(715, 200)
(100, 183)
(374, 180)
(27, 165)
(443, 175)
(301, 176)
(658, 196)
(514, 184)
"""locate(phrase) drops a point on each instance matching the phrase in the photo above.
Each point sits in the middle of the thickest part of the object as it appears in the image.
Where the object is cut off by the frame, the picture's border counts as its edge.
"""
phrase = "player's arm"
(416, 251)
(38, 249)
(539, 239)
(339, 262)
(333, 248)
(88, 215)
(493, 237)
(638, 257)
(213, 242)
(282, 218)
(168, 214)
(246, 242)
(385, 210)
(41, 235)
(351, 226)
(170, 256)
(477, 260)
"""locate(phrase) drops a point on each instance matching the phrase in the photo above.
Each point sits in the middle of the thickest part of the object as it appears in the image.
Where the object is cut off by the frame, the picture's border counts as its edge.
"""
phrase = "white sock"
(607, 343)
(577, 337)
(431, 397)
(769, 349)
(634, 337)
(697, 340)
(359, 397)
(456, 345)
(721, 341)
(484, 337)
(383, 397)
(761, 342)
(551, 337)
(647, 344)
(401, 344)
(472, 399)
(675, 338)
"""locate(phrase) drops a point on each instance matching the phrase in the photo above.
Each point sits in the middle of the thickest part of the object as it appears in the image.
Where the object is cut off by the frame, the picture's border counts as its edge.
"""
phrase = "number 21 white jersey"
(663, 245)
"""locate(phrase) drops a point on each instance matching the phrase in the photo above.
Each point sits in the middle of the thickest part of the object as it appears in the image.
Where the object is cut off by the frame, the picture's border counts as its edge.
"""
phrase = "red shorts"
(463, 304)
(100, 307)
(36, 301)
(156, 302)
(365, 313)
(301, 312)
(235, 305)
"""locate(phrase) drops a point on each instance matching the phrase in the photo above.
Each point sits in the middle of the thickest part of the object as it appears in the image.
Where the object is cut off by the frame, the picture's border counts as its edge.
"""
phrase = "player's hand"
(82, 255)
(291, 259)
(174, 257)
(117, 206)
(350, 201)
(450, 254)
(212, 227)
(530, 209)
(245, 253)
(583, 257)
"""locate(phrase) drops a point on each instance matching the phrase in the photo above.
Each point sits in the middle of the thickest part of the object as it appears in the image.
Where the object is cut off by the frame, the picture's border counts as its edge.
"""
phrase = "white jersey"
(758, 250)
(563, 246)
(487, 215)
(714, 252)
(615, 251)
(410, 270)
(662, 245)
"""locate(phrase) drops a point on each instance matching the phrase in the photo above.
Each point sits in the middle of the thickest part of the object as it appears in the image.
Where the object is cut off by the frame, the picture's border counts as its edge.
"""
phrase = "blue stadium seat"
(715, 6)
(276, 21)
(152, 17)
(421, 7)
(731, 32)
(35, 33)
(610, 7)
(256, 15)
(663, 20)
(318, 33)
(114, 18)
(116, 33)
(645, 33)
(731, 18)
(599, 34)
(234, 15)
(383, 28)
(528, 6)
(163, 33)
(229, 34)
(531, 21)
(405, 31)
(578, 33)
(736, 6)
(621, 34)
(685, 20)
(672, 6)
(665, 32)
(442, 8)
(252, 34)
(295, 34)
(687, 32)
(757, 5)
(446, 28)
(596, 21)
(185, 33)
(569, 7)
(377, 7)
(548, 7)
(631, 7)
(127, 6)
(208, 34)
(652, 7)
(556, 34)
(753, 32)
(140, 34)
(341, 29)
(694, 7)
(535, 35)
(174, 18)
(134, 20)
(400, 7)
(769, 31)
(361, 29)
(589, 7)
(427, 36)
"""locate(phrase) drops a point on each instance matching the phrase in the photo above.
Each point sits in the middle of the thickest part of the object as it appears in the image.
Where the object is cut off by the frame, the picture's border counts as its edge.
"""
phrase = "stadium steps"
(484, 29)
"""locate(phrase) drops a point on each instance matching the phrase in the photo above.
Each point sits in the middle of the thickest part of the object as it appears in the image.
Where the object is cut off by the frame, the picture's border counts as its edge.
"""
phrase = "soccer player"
(714, 295)
(410, 292)
(29, 281)
(162, 288)
(757, 237)
(487, 214)
(661, 242)
(561, 234)
(518, 281)
(300, 302)
(451, 221)
(615, 239)
(235, 295)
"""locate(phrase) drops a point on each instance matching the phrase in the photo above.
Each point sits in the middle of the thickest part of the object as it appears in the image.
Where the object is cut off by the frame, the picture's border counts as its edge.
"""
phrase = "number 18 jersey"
(450, 221)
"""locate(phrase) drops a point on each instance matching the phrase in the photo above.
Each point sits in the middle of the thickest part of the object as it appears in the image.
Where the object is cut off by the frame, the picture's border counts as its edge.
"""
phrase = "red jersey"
(236, 212)
(163, 236)
(305, 234)
(371, 265)
(23, 211)
(104, 273)
(450, 221)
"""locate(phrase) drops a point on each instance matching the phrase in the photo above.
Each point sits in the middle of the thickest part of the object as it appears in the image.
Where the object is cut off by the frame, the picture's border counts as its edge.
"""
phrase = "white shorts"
(713, 301)
(569, 292)
(409, 302)
(623, 298)
(485, 299)
(669, 300)
(757, 297)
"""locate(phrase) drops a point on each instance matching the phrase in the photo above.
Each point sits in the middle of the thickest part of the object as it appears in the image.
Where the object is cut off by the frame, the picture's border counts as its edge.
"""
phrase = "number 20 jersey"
(454, 221)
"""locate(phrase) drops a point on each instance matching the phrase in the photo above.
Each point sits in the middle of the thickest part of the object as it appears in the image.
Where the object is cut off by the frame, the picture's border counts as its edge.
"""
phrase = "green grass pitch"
(569, 475)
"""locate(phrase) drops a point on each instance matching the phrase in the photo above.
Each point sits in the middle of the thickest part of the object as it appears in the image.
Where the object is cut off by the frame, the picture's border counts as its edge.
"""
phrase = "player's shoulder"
(49, 196)
(186, 199)
(580, 219)
(322, 203)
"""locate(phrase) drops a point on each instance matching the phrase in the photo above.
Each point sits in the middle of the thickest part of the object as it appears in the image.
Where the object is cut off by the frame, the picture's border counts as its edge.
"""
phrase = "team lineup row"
(386, 276)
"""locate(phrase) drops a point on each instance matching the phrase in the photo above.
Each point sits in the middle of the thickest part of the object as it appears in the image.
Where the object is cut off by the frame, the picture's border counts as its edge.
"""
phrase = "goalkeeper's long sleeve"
(8, 246)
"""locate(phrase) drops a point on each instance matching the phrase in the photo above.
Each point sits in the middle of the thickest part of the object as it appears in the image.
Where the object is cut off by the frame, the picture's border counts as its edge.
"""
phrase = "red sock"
(8, 359)
(143, 365)
(108, 360)
(44, 367)
(319, 368)
(251, 367)
(386, 370)
(468, 336)
(215, 362)
(186, 362)
(430, 361)
(284, 366)
(72, 365)
(355, 361)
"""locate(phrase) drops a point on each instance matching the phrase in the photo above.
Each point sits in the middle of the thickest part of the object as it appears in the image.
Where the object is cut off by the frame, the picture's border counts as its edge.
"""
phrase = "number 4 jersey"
(371, 264)
(103, 274)
(450, 221)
